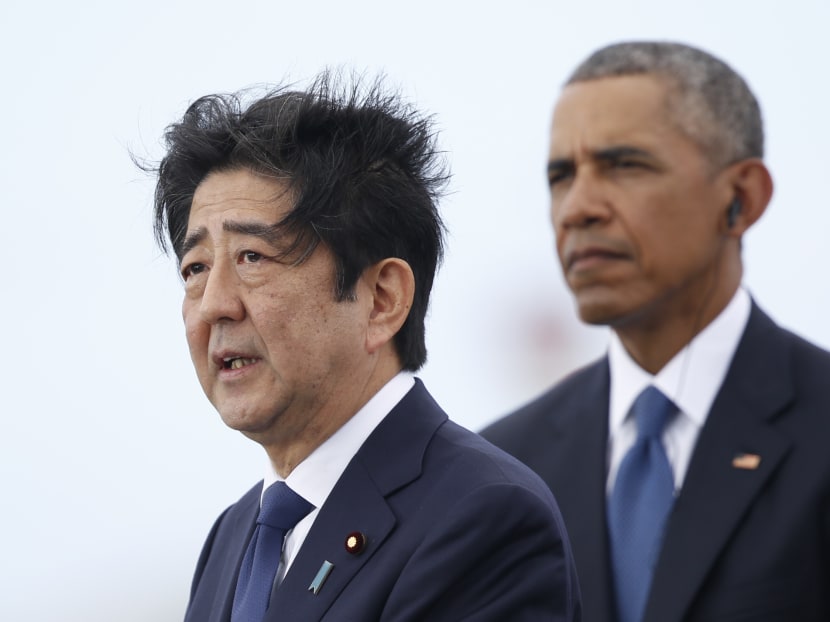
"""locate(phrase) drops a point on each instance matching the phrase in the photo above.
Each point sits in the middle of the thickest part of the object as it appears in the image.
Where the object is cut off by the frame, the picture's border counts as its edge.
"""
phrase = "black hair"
(362, 167)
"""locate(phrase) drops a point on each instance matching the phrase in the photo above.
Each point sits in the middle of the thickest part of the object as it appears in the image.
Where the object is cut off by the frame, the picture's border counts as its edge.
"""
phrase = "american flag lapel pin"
(748, 462)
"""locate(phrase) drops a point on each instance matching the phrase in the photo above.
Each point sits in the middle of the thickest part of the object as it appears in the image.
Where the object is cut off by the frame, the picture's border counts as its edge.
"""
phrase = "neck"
(652, 341)
(294, 445)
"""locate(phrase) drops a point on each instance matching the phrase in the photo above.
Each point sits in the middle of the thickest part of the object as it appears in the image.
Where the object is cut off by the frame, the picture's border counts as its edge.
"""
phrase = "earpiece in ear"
(732, 212)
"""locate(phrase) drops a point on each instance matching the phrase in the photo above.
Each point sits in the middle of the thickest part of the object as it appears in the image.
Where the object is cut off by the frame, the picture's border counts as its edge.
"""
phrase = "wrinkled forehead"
(236, 202)
(602, 112)
(240, 191)
(240, 185)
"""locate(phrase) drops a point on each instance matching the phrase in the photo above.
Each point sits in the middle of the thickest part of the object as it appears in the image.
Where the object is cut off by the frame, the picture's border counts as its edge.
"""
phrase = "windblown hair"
(362, 168)
(707, 99)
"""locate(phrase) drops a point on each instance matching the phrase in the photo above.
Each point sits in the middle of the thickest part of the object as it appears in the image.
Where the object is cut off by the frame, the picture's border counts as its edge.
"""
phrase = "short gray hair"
(708, 100)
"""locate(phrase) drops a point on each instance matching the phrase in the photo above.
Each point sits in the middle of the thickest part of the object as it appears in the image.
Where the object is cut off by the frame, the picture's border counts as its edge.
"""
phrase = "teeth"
(238, 363)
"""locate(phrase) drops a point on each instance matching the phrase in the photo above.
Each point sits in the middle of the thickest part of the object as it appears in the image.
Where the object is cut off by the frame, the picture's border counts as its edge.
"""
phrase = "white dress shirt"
(691, 380)
(314, 478)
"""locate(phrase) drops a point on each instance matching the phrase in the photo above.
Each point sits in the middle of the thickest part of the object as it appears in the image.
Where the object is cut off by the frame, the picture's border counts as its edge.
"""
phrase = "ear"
(752, 186)
(392, 288)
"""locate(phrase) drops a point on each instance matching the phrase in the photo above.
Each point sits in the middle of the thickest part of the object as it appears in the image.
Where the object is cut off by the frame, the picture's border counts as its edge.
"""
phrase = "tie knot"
(282, 508)
(652, 410)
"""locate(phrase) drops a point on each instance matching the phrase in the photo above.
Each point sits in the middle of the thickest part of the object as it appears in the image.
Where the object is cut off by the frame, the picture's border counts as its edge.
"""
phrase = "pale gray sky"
(114, 465)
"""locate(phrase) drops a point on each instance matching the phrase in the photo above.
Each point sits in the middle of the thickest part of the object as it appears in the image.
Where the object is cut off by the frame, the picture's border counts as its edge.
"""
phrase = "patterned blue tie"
(639, 505)
(282, 508)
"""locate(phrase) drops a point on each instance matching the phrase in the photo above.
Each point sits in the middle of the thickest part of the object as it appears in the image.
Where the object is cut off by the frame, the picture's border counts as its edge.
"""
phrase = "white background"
(113, 464)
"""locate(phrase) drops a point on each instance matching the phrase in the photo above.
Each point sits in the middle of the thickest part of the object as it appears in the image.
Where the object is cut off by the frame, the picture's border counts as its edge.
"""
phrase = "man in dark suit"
(306, 230)
(711, 500)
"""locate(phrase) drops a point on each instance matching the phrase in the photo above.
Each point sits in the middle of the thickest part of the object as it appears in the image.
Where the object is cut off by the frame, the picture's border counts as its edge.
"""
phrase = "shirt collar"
(692, 378)
(315, 477)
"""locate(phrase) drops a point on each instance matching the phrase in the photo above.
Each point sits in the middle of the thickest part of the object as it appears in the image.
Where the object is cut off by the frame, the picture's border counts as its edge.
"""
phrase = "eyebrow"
(192, 240)
(607, 155)
(616, 153)
(271, 233)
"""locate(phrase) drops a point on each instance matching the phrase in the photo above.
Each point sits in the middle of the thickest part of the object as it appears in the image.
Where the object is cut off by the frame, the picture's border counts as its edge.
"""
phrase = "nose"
(221, 300)
(581, 204)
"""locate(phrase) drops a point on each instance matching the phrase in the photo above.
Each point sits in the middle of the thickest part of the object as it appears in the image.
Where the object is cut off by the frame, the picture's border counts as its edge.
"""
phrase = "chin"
(600, 312)
(246, 422)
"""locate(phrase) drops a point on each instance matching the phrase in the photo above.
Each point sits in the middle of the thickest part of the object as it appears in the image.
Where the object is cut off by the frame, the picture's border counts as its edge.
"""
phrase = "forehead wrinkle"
(228, 196)
(581, 113)
(568, 147)
(270, 232)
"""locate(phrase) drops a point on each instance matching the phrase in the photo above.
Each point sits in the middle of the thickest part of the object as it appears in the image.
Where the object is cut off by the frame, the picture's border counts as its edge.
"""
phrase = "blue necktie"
(282, 508)
(639, 505)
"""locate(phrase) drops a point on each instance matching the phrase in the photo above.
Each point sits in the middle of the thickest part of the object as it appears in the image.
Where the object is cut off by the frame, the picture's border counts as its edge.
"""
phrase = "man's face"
(637, 210)
(272, 348)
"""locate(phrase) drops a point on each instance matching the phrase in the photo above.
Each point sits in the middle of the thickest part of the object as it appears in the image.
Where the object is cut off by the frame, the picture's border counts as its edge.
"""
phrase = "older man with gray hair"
(690, 463)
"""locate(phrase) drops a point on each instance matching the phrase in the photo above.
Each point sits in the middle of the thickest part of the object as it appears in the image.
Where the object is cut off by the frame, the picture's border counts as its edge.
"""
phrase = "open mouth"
(236, 362)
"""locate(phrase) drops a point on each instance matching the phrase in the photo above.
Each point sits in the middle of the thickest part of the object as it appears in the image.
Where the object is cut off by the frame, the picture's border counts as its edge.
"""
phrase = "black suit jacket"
(456, 529)
(740, 544)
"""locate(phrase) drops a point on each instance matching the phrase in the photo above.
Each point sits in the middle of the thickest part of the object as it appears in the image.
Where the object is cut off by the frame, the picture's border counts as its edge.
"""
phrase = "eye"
(554, 179)
(192, 269)
(558, 175)
(250, 257)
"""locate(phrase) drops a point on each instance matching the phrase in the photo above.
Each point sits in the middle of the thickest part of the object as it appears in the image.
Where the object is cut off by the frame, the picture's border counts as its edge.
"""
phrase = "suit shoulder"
(807, 363)
(584, 384)
(764, 333)
(478, 517)
(809, 370)
(467, 460)
(808, 354)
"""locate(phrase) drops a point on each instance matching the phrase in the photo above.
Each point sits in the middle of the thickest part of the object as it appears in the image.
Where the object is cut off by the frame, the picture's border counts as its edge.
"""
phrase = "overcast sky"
(114, 465)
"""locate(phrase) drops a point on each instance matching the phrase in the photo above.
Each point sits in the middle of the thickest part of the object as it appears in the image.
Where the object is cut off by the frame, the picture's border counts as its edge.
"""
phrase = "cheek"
(554, 217)
(280, 328)
(196, 332)
(558, 233)
(669, 249)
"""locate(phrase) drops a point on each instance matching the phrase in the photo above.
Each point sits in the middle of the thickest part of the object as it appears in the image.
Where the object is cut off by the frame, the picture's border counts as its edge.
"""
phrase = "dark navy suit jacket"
(740, 544)
(456, 529)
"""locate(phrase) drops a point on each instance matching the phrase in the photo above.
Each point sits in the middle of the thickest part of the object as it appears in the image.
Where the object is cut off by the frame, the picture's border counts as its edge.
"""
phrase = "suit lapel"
(576, 472)
(715, 493)
(354, 505)
(358, 503)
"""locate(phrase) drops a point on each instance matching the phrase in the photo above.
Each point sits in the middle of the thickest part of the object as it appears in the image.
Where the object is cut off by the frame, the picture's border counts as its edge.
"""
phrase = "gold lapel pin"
(355, 543)
(321, 577)
(747, 462)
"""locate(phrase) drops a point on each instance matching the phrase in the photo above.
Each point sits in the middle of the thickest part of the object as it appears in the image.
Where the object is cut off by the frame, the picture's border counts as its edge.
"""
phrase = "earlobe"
(392, 285)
